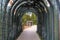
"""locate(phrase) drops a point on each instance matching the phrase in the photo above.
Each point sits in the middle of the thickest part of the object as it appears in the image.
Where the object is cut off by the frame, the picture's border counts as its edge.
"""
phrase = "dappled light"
(29, 21)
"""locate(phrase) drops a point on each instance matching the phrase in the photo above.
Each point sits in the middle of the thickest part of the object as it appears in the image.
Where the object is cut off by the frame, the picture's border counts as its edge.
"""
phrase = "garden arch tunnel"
(40, 8)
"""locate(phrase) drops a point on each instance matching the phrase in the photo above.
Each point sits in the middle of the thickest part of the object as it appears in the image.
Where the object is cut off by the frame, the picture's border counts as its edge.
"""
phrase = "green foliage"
(26, 18)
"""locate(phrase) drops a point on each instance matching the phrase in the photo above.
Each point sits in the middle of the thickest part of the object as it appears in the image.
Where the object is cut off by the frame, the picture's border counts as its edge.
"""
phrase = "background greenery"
(26, 18)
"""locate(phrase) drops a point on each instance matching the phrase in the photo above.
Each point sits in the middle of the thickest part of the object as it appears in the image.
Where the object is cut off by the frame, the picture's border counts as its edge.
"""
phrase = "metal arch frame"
(21, 1)
(34, 8)
(17, 10)
(56, 23)
(18, 7)
(49, 2)
(5, 13)
(26, 9)
(20, 16)
(58, 4)
(14, 6)
(12, 12)
(4, 21)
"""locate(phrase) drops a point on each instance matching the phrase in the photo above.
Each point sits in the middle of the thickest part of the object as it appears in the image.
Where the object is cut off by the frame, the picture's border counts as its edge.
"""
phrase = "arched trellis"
(13, 8)
(36, 7)
(20, 16)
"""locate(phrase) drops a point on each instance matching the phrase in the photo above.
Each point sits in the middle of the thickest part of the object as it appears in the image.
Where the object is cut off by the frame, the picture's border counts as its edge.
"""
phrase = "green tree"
(26, 18)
